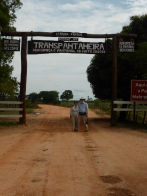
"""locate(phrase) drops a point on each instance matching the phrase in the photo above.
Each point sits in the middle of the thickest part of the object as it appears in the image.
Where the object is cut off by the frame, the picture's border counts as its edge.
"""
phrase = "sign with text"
(69, 39)
(42, 46)
(138, 90)
(11, 44)
(69, 34)
(126, 46)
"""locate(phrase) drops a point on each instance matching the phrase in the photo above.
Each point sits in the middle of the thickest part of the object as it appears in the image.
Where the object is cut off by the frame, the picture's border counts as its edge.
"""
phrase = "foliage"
(7, 13)
(49, 97)
(46, 97)
(33, 97)
(99, 75)
(67, 104)
(66, 95)
(138, 25)
(8, 84)
(103, 105)
(31, 105)
(130, 65)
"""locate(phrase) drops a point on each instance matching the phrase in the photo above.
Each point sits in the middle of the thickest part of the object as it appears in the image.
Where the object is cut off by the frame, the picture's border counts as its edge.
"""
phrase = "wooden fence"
(12, 106)
(134, 107)
(129, 103)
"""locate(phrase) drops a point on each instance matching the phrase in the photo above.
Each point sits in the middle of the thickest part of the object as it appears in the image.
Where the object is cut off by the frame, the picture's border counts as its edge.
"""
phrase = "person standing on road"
(83, 112)
(74, 115)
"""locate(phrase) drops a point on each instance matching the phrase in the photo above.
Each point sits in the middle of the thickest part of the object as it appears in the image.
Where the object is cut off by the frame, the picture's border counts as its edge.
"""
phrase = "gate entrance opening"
(41, 47)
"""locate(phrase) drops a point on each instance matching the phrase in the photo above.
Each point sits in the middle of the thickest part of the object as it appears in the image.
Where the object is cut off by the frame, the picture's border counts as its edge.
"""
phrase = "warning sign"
(138, 90)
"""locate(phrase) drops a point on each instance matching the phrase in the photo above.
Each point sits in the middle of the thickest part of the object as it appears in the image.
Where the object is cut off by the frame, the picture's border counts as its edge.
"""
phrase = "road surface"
(45, 158)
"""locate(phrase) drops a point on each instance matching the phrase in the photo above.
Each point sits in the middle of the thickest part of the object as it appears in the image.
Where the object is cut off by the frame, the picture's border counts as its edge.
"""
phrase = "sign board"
(138, 90)
(69, 34)
(72, 39)
(42, 46)
(126, 46)
(11, 44)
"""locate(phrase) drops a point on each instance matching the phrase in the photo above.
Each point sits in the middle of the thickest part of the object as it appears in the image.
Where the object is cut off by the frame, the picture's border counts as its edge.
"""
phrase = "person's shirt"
(74, 110)
(83, 107)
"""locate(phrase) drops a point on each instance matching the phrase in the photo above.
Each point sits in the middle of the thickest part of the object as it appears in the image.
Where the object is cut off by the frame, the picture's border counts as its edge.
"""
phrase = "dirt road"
(45, 158)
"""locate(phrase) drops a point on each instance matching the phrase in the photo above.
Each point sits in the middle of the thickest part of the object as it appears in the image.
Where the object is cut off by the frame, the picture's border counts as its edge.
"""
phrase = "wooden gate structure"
(24, 42)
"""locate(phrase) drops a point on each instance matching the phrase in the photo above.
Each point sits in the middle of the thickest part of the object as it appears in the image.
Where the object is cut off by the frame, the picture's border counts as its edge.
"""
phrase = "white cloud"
(136, 3)
(80, 5)
(137, 7)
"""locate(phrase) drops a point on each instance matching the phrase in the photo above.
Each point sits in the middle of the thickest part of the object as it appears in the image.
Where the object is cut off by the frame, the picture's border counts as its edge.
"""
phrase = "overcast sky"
(68, 71)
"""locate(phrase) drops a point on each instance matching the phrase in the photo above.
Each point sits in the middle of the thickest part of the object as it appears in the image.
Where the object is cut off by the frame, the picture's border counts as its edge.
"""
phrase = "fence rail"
(132, 109)
(11, 109)
(128, 103)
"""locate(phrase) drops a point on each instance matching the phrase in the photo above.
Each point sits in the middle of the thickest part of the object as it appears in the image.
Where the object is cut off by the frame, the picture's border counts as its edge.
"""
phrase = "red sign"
(138, 90)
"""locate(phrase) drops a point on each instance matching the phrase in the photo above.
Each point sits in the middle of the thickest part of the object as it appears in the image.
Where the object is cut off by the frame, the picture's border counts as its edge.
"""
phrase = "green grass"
(29, 110)
(66, 103)
(8, 124)
(103, 105)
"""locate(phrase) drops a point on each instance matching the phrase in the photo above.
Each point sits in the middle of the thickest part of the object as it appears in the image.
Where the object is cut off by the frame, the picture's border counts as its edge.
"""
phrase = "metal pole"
(22, 120)
(114, 81)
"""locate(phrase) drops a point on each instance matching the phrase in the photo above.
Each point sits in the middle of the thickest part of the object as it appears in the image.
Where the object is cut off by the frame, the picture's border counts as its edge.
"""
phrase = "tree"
(66, 95)
(138, 25)
(130, 65)
(8, 13)
(8, 84)
(51, 97)
(33, 97)
(99, 75)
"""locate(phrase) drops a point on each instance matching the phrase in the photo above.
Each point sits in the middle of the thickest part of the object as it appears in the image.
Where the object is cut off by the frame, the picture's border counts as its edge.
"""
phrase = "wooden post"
(134, 111)
(114, 80)
(144, 118)
(22, 120)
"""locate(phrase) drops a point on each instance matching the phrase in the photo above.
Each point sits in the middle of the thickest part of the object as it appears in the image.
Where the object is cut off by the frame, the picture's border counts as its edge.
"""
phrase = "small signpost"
(11, 45)
(126, 46)
(69, 34)
(68, 39)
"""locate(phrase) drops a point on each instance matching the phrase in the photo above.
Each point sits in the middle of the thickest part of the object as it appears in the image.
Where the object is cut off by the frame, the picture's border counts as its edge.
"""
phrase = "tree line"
(49, 97)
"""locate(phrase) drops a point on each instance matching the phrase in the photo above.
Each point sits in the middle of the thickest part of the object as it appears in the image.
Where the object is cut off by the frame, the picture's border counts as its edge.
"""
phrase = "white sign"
(42, 46)
(126, 46)
(11, 44)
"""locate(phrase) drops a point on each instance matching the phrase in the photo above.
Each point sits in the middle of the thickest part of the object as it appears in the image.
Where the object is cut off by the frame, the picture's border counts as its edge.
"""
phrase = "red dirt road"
(45, 158)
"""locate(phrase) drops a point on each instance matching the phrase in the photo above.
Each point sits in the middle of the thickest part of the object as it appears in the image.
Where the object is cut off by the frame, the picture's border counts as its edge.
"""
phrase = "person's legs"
(76, 123)
(85, 119)
(73, 122)
(79, 121)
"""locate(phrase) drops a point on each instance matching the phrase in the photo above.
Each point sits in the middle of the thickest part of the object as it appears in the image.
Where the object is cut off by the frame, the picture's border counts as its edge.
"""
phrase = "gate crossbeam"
(51, 34)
